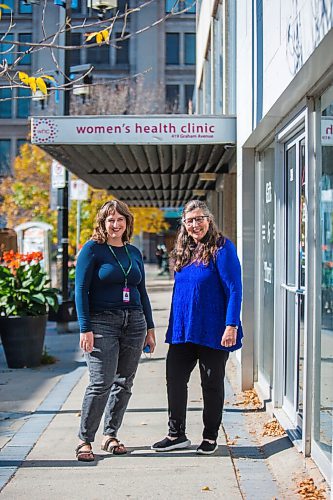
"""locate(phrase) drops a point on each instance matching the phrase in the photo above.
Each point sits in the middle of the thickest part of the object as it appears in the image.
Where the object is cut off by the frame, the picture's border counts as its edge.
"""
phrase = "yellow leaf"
(24, 77)
(4, 6)
(47, 77)
(41, 85)
(90, 36)
(106, 35)
(99, 38)
(32, 84)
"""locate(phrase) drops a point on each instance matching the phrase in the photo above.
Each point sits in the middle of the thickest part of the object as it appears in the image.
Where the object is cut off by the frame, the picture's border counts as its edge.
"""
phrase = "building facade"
(284, 185)
(164, 56)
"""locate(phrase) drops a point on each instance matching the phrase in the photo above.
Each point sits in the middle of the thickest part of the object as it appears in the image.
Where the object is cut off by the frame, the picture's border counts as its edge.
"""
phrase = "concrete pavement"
(39, 418)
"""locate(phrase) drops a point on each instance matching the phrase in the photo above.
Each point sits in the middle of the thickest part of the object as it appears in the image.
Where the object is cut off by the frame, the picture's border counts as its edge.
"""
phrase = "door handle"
(293, 289)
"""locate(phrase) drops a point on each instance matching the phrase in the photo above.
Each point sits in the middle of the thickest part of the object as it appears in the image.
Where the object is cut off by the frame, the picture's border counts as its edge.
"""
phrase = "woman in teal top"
(204, 323)
(116, 322)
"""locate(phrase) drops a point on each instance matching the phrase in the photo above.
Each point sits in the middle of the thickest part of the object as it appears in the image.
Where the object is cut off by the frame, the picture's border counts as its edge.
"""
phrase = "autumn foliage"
(26, 197)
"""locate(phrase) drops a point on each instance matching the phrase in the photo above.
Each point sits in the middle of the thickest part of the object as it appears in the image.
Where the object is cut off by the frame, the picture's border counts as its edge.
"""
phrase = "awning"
(154, 160)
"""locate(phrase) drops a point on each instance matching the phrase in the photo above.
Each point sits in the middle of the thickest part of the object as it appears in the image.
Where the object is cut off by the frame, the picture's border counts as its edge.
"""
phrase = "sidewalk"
(39, 418)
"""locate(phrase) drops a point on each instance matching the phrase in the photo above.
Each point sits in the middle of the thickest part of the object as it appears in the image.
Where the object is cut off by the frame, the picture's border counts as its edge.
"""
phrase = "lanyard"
(126, 273)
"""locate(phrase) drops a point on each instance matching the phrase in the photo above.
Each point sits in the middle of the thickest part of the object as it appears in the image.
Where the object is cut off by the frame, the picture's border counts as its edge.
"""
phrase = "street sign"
(79, 190)
(58, 175)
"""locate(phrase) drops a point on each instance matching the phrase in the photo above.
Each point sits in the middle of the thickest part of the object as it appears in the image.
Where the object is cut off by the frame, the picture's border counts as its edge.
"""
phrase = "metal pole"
(62, 256)
(78, 225)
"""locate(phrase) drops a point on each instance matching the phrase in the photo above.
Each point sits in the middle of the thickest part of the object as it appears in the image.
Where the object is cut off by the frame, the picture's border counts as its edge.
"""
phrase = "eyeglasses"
(198, 220)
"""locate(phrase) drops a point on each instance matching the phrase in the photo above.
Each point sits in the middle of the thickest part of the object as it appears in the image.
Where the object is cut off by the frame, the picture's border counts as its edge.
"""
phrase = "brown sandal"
(116, 448)
(84, 455)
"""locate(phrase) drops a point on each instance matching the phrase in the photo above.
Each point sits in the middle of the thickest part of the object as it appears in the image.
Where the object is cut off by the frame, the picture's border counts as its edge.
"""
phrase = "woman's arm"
(229, 270)
(83, 274)
(144, 298)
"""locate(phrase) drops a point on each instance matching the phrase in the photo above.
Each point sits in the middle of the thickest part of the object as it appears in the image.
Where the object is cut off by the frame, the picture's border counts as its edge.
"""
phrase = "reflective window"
(24, 8)
(11, 4)
(178, 5)
(23, 103)
(172, 98)
(323, 406)
(122, 50)
(189, 48)
(172, 48)
(19, 144)
(24, 38)
(189, 90)
(5, 106)
(6, 50)
(75, 55)
(4, 157)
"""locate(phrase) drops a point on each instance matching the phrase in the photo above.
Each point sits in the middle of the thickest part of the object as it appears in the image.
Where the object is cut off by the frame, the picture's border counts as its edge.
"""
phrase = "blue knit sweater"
(99, 282)
(206, 299)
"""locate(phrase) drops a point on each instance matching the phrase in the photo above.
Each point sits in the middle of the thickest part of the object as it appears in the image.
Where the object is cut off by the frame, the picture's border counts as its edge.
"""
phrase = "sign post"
(78, 192)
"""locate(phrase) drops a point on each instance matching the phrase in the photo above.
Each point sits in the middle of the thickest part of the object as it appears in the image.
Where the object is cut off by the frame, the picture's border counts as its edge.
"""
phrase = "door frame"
(304, 120)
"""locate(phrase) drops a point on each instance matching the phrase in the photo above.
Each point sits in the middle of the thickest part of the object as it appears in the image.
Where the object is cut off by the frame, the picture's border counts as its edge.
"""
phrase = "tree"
(97, 33)
(26, 197)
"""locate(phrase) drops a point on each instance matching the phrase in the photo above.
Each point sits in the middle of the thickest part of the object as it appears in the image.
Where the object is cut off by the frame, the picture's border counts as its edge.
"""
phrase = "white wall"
(292, 30)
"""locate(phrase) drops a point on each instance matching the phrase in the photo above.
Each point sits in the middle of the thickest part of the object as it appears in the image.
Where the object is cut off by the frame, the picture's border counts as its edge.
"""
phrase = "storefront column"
(246, 252)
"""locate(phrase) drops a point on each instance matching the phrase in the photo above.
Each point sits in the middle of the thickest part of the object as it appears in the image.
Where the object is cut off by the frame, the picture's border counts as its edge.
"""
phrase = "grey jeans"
(118, 341)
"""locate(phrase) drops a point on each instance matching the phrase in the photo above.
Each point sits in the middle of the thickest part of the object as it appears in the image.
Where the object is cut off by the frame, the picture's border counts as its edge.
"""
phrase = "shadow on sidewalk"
(248, 452)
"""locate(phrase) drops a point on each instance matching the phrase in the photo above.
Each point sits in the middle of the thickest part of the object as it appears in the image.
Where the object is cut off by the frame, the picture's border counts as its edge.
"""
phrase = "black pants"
(181, 360)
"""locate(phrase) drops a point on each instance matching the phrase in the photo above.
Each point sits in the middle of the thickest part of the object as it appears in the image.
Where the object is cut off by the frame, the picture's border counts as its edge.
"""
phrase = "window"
(189, 89)
(4, 157)
(122, 4)
(19, 144)
(179, 5)
(76, 6)
(23, 105)
(6, 50)
(97, 55)
(172, 98)
(11, 4)
(5, 106)
(24, 8)
(172, 48)
(189, 48)
(75, 55)
(122, 50)
(24, 38)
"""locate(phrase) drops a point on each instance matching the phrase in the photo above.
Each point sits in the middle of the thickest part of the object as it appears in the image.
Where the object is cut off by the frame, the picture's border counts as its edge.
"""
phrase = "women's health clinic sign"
(134, 130)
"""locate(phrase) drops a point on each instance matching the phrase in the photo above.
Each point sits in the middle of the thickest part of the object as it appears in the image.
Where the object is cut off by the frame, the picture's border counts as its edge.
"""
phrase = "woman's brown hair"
(109, 208)
(186, 250)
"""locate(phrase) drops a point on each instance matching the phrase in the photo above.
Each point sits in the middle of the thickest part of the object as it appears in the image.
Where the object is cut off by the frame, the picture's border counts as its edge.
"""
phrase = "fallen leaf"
(206, 488)
(273, 428)
(307, 489)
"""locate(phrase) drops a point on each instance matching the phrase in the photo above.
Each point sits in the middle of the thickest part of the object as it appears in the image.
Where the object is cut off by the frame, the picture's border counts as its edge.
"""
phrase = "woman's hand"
(87, 341)
(229, 337)
(150, 340)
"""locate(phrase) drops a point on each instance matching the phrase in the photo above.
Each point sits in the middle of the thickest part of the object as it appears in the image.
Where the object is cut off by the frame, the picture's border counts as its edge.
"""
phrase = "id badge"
(126, 294)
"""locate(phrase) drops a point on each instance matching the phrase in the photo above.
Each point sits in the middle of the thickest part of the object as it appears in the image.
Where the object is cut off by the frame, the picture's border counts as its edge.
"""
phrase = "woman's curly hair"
(186, 250)
(109, 208)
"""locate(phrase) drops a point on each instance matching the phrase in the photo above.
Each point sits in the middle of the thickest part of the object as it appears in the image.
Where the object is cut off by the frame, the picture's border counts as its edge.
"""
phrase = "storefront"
(294, 275)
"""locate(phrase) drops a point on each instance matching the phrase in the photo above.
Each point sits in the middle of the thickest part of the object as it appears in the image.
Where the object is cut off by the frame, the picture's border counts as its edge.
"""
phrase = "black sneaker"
(207, 448)
(171, 444)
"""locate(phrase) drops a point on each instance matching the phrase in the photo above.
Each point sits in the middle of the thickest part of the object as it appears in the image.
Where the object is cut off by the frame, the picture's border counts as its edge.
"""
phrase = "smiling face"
(115, 225)
(196, 224)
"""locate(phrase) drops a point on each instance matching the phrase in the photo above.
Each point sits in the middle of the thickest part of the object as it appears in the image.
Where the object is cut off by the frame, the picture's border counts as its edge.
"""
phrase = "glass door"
(294, 283)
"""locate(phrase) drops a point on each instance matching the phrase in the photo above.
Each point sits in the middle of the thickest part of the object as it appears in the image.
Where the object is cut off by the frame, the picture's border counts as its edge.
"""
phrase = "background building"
(164, 55)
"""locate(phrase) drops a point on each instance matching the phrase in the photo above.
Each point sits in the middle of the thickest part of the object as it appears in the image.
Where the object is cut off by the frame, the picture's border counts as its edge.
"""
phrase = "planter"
(23, 340)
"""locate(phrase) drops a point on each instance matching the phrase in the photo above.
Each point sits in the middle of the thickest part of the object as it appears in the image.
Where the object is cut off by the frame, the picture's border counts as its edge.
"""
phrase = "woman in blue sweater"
(116, 322)
(204, 323)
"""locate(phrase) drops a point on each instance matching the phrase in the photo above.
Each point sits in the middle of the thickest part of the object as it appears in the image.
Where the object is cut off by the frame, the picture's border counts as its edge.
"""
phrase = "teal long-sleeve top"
(99, 282)
(206, 299)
